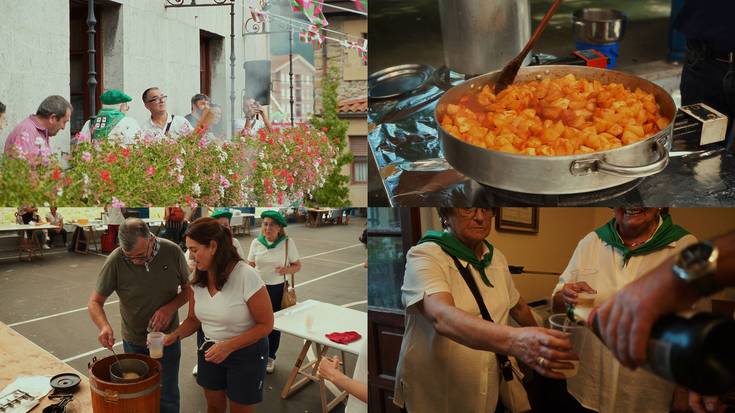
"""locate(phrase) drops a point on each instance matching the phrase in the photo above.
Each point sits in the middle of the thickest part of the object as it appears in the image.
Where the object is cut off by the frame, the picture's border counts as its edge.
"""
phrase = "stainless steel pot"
(559, 174)
(482, 35)
(128, 365)
(598, 26)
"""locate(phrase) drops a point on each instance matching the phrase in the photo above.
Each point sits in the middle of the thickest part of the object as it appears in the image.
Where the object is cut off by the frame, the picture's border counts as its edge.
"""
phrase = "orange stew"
(561, 116)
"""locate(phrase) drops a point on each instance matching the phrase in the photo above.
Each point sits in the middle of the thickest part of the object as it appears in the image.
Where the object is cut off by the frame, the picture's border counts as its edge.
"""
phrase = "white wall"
(145, 45)
(34, 59)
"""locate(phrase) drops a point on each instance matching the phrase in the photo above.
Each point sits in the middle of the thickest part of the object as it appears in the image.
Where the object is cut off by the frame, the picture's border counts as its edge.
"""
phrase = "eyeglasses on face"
(157, 99)
(471, 212)
(138, 258)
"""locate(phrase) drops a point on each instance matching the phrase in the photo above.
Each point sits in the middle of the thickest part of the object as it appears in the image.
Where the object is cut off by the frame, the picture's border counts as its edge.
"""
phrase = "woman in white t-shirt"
(274, 255)
(231, 313)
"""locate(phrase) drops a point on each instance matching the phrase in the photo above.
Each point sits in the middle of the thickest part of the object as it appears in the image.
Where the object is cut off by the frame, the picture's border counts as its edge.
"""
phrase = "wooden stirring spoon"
(511, 69)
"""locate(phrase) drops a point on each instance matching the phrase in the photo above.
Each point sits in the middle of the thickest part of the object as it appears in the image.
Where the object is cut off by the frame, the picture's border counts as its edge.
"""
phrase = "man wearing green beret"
(111, 121)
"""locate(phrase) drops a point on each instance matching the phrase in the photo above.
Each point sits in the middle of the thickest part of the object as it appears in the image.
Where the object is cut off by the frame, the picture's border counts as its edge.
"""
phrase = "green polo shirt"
(141, 292)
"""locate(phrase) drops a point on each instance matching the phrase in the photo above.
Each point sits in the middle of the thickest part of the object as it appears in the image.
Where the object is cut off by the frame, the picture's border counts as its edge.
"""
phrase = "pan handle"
(586, 166)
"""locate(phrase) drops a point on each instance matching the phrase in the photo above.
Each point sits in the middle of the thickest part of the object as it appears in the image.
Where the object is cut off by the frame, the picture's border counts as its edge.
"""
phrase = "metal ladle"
(115, 354)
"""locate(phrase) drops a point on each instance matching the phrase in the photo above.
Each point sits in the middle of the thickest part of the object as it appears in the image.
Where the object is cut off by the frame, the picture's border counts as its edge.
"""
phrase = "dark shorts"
(241, 375)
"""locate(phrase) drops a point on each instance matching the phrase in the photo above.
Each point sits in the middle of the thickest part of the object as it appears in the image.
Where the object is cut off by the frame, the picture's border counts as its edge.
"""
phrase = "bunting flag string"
(312, 10)
(361, 5)
(312, 33)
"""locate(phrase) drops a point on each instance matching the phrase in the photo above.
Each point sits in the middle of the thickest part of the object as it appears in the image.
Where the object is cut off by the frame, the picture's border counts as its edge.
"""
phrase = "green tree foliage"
(335, 191)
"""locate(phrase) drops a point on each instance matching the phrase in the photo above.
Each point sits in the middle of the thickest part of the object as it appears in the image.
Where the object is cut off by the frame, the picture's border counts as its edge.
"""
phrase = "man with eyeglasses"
(151, 279)
(161, 122)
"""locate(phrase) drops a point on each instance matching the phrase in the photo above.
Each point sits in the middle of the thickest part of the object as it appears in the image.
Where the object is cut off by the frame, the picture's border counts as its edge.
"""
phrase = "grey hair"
(54, 105)
(130, 231)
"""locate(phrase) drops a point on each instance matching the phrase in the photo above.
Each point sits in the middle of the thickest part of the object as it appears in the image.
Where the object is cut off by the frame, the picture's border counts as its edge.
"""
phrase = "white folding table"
(311, 320)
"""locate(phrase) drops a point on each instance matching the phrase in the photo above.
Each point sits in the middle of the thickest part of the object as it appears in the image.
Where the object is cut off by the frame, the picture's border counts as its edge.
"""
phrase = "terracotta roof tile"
(356, 105)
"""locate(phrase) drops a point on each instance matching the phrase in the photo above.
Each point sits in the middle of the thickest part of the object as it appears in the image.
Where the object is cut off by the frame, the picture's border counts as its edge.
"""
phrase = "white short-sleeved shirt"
(179, 126)
(125, 130)
(267, 260)
(355, 405)
(602, 383)
(54, 220)
(226, 315)
(433, 373)
(257, 125)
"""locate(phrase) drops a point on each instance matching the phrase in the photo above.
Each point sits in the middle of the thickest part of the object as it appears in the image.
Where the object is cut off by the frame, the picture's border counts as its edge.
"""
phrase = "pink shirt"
(30, 137)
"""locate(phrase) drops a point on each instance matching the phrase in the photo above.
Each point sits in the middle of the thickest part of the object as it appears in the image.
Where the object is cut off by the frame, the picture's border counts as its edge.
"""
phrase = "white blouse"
(267, 260)
(602, 383)
(435, 373)
(226, 314)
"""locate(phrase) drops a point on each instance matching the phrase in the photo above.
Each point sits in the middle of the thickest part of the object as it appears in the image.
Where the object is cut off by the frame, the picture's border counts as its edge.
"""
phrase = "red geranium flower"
(57, 174)
(105, 175)
(112, 157)
(125, 152)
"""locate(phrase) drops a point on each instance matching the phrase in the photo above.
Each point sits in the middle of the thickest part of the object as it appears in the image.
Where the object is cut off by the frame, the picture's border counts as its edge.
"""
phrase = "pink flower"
(82, 138)
(150, 171)
(116, 203)
(86, 156)
(280, 197)
(224, 182)
(180, 179)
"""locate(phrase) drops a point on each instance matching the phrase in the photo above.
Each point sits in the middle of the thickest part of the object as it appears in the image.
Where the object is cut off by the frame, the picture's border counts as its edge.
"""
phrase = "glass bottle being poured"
(697, 352)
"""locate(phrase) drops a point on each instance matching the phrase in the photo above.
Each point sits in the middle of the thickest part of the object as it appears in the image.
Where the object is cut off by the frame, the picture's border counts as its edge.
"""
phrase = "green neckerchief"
(664, 235)
(456, 248)
(267, 244)
(104, 122)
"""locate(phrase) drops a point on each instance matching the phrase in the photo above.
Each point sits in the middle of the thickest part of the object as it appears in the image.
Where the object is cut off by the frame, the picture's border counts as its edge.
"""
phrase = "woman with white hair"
(111, 121)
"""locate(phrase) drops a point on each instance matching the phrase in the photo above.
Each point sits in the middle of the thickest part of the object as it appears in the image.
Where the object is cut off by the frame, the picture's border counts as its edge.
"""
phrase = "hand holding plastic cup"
(155, 344)
(562, 323)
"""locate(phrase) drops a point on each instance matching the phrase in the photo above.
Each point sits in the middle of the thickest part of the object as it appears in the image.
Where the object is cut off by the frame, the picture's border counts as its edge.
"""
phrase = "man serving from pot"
(151, 279)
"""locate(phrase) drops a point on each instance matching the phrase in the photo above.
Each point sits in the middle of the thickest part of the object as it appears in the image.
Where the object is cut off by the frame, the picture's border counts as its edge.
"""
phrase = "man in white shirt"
(161, 123)
(55, 218)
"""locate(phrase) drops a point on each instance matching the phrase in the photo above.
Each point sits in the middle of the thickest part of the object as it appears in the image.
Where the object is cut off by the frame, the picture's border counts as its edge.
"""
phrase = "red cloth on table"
(344, 338)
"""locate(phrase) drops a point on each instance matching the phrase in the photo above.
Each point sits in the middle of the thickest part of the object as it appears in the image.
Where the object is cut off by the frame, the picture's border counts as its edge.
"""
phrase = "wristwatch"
(696, 266)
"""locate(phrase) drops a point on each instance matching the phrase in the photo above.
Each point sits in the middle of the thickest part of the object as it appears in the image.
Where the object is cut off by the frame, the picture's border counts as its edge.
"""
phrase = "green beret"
(276, 216)
(222, 213)
(114, 96)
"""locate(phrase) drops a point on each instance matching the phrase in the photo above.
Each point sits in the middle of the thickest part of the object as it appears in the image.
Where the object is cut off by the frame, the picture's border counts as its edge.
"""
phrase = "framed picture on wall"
(524, 220)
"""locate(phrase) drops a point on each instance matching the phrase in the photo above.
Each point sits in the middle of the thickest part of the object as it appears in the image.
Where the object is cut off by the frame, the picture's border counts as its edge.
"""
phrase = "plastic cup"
(585, 299)
(309, 321)
(155, 344)
(576, 333)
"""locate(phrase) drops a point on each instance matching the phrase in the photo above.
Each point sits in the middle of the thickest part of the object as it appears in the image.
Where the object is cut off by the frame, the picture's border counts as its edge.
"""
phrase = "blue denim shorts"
(241, 375)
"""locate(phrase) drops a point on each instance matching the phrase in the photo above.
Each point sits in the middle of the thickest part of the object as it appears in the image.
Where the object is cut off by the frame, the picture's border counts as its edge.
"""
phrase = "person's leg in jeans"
(169, 375)
(51, 237)
(274, 338)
